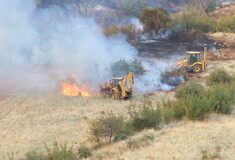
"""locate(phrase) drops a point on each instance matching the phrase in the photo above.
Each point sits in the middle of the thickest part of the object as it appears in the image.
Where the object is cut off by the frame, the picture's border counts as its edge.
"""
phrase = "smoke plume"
(50, 43)
(57, 37)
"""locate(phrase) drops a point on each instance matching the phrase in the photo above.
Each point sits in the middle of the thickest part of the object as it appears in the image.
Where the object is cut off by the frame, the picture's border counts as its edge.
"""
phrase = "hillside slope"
(179, 141)
(27, 122)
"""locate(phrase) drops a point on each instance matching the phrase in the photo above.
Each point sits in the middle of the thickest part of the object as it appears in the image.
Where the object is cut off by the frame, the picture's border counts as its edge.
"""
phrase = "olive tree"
(155, 19)
(106, 128)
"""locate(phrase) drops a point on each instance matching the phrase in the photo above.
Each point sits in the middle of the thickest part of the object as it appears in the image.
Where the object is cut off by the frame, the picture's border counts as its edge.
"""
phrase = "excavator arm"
(126, 84)
(182, 64)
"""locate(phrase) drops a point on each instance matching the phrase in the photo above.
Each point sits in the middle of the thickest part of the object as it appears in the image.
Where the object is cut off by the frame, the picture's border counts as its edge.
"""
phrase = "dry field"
(27, 122)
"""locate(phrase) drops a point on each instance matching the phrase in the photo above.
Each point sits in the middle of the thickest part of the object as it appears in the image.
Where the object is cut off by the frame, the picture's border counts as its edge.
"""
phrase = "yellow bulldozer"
(118, 88)
(194, 61)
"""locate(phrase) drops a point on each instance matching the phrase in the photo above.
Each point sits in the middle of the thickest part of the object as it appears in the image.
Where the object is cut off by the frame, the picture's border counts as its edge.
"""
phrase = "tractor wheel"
(114, 95)
(197, 68)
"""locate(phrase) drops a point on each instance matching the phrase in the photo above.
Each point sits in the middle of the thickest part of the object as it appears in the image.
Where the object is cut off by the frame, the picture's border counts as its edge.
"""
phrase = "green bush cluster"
(196, 103)
(59, 152)
(129, 30)
(171, 111)
(196, 20)
(193, 20)
(226, 23)
(189, 88)
(105, 130)
(196, 107)
(219, 76)
(84, 152)
(155, 19)
(222, 98)
(144, 116)
(111, 127)
(33, 155)
(218, 98)
(211, 6)
(122, 67)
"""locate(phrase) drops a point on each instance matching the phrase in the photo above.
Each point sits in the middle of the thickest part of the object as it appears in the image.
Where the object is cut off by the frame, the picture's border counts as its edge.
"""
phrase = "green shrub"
(122, 67)
(189, 88)
(145, 116)
(127, 131)
(211, 6)
(111, 30)
(218, 98)
(128, 30)
(193, 20)
(197, 107)
(84, 152)
(219, 76)
(57, 152)
(172, 111)
(106, 128)
(33, 155)
(60, 152)
(155, 19)
(226, 23)
(223, 98)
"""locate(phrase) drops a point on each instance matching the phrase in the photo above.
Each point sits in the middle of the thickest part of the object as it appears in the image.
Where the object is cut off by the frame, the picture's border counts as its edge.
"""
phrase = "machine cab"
(115, 81)
(193, 57)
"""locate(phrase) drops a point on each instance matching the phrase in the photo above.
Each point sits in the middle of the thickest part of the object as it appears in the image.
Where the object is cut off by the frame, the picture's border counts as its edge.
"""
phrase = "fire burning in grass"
(73, 90)
(70, 87)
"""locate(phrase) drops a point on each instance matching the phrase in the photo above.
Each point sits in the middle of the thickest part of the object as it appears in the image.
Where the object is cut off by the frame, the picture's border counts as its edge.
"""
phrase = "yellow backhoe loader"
(118, 88)
(194, 61)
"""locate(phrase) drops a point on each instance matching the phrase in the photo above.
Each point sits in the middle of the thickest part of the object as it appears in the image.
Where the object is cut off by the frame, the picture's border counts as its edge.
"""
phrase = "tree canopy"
(155, 19)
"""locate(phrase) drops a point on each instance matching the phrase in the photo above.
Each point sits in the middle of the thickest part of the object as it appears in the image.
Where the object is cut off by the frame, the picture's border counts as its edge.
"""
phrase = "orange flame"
(71, 88)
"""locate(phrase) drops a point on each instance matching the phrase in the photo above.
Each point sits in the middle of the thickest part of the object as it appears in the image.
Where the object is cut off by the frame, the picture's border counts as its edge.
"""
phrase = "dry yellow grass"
(27, 122)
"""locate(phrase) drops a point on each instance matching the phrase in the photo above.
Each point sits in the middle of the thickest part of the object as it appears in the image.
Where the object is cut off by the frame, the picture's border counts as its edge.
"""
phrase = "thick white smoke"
(154, 80)
(57, 37)
(16, 32)
(73, 41)
(64, 42)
